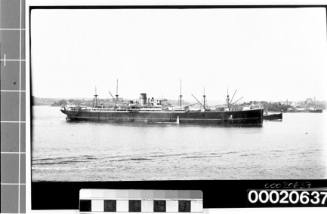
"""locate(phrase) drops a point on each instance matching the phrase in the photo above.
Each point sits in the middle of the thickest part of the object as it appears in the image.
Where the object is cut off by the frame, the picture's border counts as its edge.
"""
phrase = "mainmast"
(95, 97)
(117, 90)
(180, 93)
(117, 96)
(204, 98)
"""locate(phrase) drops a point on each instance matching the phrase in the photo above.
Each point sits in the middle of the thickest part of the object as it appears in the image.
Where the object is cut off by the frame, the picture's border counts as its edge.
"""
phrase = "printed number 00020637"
(287, 197)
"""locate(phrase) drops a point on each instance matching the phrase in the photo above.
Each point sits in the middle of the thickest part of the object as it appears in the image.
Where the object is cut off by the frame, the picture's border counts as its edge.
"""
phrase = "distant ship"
(149, 110)
(315, 110)
(305, 110)
(310, 106)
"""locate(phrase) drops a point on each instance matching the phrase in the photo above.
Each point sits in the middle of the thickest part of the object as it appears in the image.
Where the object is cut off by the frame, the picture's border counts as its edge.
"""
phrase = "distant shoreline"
(308, 105)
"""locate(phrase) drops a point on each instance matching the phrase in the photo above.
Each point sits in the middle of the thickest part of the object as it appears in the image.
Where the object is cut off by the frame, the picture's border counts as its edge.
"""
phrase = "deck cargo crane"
(112, 96)
(197, 100)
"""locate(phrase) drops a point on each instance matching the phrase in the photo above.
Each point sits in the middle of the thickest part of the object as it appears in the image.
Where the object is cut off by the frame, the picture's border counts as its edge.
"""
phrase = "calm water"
(89, 151)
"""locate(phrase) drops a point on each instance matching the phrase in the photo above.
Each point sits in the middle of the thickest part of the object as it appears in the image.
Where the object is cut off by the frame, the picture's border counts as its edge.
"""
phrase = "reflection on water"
(90, 151)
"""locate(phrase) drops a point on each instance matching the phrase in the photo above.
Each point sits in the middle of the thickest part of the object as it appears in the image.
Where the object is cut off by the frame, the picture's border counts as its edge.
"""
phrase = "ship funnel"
(143, 99)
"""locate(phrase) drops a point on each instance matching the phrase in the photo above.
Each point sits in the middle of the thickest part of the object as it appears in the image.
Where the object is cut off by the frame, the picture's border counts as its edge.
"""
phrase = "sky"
(266, 54)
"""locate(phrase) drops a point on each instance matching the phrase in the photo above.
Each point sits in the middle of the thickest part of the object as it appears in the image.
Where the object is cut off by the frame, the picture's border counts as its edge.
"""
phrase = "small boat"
(274, 116)
(315, 110)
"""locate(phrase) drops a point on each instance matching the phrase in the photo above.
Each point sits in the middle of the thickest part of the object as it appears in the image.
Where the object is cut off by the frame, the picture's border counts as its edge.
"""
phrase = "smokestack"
(143, 99)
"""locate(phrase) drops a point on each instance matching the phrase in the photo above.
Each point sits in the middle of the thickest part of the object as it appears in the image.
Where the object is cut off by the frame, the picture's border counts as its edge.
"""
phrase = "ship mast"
(180, 93)
(95, 98)
(117, 90)
(204, 98)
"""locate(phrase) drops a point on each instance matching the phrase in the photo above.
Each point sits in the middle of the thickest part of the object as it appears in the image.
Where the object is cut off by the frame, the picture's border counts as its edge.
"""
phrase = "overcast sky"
(267, 54)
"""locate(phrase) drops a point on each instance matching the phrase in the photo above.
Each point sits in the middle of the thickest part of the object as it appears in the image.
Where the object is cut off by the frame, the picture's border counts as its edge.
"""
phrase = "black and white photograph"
(178, 94)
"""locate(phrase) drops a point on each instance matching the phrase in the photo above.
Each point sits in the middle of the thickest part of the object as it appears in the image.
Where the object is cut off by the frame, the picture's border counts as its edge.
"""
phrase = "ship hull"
(277, 116)
(232, 118)
(316, 111)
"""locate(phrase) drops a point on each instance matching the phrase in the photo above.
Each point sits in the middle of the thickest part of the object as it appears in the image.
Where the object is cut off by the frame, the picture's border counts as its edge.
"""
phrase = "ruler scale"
(13, 157)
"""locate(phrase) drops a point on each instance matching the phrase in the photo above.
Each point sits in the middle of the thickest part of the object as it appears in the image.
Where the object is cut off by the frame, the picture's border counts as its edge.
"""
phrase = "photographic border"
(216, 193)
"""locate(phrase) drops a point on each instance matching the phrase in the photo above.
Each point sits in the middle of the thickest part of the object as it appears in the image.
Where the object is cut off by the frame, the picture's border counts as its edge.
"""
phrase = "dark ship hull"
(276, 116)
(229, 118)
(315, 110)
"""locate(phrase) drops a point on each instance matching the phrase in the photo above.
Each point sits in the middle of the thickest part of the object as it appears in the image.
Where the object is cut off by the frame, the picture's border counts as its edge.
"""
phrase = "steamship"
(149, 110)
